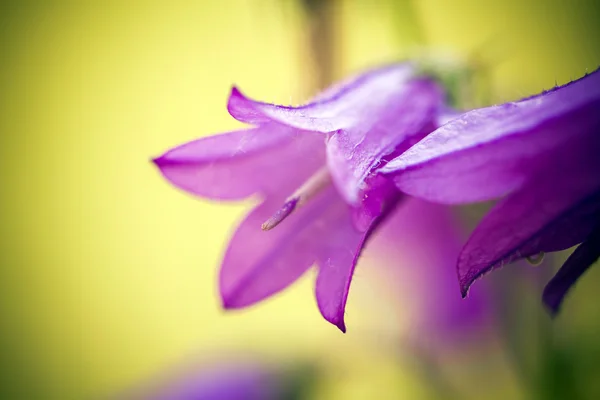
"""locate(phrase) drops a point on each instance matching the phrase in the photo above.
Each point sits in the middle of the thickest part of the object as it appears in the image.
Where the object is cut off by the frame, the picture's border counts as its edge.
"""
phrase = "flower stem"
(321, 38)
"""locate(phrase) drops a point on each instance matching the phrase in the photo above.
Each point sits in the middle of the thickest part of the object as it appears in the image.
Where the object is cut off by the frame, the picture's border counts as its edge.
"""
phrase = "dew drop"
(536, 259)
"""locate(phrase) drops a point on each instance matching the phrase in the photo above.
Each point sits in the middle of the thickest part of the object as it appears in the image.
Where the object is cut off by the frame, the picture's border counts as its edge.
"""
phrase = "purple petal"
(368, 117)
(378, 197)
(552, 213)
(582, 258)
(237, 164)
(337, 261)
(340, 253)
(354, 152)
(330, 111)
(488, 152)
(258, 264)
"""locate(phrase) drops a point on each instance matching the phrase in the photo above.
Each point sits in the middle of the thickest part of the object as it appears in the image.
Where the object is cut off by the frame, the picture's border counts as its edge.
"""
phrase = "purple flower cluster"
(330, 173)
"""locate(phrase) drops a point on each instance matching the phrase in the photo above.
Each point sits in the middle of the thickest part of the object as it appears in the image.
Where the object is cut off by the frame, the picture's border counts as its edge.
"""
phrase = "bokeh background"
(109, 274)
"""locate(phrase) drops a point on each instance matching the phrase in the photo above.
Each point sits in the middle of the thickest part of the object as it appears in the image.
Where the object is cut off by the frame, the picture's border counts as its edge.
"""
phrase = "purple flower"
(314, 166)
(543, 154)
(242, 380)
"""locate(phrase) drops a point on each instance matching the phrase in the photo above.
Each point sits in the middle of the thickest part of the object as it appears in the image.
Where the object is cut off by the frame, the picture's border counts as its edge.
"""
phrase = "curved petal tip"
(235, 94)
(245, 109)
(551, 301)
(467, 280)
(228, 304)
(234, 100)
(333, 317)
(464, 289)
(339, 322)
(158, 161)
(571, 271)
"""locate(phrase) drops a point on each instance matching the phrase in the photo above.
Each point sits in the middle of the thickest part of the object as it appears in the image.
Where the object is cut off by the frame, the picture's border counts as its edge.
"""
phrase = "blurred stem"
(321, 38)
(527, 332)
(512, 326)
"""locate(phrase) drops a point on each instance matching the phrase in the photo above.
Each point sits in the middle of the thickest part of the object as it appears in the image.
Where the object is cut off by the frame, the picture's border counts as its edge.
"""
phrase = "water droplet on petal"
(535, 259)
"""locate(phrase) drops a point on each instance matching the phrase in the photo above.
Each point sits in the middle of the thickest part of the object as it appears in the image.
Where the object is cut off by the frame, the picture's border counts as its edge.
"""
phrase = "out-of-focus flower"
(424, 240)
(225, 380)
(543, 152)
(320, 161)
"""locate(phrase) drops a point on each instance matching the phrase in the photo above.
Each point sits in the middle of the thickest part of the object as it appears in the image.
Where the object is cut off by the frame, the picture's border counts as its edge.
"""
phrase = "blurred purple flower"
(426, 238)
(219, 381)
(320, 161)
(543, 153)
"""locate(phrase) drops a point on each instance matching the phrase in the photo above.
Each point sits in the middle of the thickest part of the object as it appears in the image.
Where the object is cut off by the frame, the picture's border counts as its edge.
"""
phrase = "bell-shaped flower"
(315, 169)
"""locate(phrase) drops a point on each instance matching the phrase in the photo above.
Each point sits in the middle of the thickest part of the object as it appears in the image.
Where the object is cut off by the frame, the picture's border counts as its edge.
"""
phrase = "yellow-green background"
(108, 273)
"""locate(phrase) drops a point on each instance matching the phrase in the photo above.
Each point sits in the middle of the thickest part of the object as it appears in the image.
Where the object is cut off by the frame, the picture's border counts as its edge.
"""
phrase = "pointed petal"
(342, 249)
(237, 164)
(551, 214)
(488, 152)
(582, 258)
(258, 264)
(340, 252)
(337, 260)
(369, 117)
(333, 109)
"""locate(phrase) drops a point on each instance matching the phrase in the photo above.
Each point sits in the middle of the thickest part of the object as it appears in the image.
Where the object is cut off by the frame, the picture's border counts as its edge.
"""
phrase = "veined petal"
(339, 255)
(368, 117)
(550, 214)
(488, 152)
(353, 153)
(258, 264)
(335, 108)
(237, 164)
(582, 258)
(336, 260)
